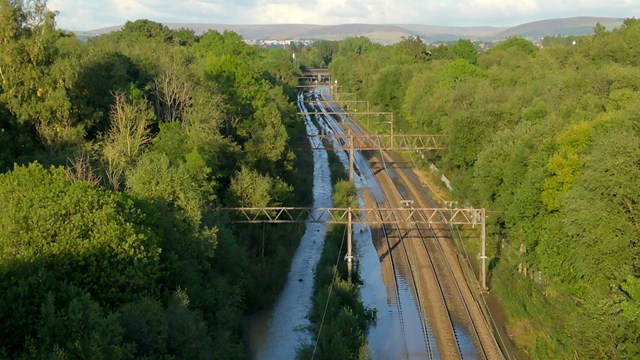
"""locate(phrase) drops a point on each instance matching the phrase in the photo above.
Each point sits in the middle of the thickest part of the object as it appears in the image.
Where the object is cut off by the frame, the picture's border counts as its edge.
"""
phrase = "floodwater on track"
(278, 333)
(397, 332)
(468, 349)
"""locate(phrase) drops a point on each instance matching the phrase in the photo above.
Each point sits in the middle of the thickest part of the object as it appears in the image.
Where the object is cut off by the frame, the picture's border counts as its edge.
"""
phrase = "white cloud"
(88, 14)
(309, 12)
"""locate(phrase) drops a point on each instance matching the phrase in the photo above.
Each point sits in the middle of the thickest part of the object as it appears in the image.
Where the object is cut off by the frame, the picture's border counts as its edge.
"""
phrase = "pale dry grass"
(431, 181)
(525, 333)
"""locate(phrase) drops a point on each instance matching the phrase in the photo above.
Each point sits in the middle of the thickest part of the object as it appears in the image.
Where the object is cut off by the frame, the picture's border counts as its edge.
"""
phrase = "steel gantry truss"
(379, 216)
(403, 142)
(352, 142)
(382, 216)
(314, 78)
(381, 142)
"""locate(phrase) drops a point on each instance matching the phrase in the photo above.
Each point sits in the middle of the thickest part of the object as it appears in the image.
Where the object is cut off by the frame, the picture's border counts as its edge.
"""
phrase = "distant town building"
(276, 43)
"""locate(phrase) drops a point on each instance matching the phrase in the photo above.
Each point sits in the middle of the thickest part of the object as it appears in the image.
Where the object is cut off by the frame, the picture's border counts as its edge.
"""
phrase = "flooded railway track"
(404, 275)
(451, 292)
(418, 257)
(416, 341)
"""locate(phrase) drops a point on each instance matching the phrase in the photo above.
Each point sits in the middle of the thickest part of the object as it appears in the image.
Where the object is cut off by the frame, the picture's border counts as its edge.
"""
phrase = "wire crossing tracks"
(388, 216)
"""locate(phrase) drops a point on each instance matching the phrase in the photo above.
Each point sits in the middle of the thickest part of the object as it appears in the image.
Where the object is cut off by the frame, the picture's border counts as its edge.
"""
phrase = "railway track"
(457, 289)
(451, 287)
(414, 345)
(431, 287)
(400, 265)
(461, 304)
(441, 293)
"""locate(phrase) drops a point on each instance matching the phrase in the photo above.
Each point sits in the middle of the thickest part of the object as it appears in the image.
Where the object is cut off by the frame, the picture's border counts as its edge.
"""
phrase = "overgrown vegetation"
(115, 155)
(548, 140)
(339, 318)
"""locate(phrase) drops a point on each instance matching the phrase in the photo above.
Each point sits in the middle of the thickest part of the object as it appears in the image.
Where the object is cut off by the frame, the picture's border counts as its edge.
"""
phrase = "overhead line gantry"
(379, 216)
(352, 142)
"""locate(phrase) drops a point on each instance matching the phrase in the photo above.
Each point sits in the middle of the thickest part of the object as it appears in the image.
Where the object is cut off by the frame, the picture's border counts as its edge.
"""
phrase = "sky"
(96, 14)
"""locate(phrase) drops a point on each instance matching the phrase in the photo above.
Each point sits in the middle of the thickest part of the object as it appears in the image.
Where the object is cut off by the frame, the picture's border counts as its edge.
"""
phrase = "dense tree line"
(114, 155)
(548, 140)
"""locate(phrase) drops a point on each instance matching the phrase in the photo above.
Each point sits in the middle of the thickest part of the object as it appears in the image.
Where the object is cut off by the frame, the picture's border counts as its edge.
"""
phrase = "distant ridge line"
(389, 33)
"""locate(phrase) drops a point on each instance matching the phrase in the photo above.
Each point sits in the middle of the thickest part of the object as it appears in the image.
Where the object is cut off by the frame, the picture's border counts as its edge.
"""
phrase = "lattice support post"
(483, 254)
(350, 156)
(349, 256)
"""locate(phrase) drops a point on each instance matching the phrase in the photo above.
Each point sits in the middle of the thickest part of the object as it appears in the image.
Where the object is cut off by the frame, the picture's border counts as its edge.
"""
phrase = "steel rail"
(427, 331)
(435, 273)
(427, 334)
(392, 261)
(472, 324)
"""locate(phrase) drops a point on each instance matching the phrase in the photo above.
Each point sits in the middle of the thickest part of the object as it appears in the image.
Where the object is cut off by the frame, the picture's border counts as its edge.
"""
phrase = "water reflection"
(277, 334)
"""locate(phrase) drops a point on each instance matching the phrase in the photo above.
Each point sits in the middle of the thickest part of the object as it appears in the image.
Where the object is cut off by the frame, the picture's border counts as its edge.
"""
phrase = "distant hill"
(570, 26)
(394, 33)
(446, 33)
(381, 33)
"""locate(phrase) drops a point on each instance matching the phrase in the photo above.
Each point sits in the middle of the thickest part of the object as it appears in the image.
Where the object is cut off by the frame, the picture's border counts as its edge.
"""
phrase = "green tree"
(127, 136)
(148, 29)
(77, 328)
(187, 331)
(250, 189)
(95, 243)
(518, 44)
(464, 49)
(414, 48)
(442, 52)
(267, 135)
(566, 163)
(35, 88)
(80, 254)
(630, 312)
(144, 323)
(390, 86)
(355, 45)
(182, 185)
(322, 52)
(459, 70)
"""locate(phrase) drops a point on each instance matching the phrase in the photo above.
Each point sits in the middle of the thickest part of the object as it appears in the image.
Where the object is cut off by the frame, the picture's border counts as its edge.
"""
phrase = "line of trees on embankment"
(114, 154)
(548, 140)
